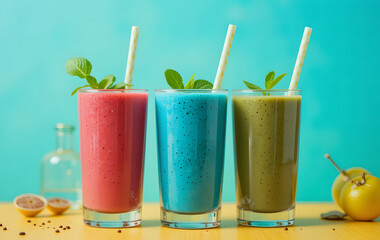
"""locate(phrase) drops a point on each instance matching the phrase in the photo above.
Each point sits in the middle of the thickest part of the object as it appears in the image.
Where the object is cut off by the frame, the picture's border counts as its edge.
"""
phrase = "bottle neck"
(64, 141)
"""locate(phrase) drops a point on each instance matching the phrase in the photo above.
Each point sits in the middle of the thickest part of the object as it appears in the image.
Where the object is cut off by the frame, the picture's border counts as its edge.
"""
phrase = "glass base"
(112, 220)
(190, 221)
(259, 219)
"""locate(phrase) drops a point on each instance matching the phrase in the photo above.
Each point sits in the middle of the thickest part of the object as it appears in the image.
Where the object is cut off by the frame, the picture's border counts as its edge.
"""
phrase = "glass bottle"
(60, 169)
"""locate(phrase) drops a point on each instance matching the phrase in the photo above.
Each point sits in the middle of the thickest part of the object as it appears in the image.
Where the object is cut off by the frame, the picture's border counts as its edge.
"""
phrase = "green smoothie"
(266, 132)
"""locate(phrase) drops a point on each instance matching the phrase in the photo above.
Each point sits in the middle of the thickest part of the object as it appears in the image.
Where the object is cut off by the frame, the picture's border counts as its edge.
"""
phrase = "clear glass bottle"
(60, 169)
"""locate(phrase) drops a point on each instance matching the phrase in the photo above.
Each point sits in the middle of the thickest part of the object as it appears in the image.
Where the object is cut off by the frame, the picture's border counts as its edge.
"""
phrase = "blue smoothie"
(191, 128)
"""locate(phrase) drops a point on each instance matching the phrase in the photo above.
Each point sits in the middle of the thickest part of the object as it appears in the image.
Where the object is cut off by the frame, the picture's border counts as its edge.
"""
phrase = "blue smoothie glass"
(191, 127)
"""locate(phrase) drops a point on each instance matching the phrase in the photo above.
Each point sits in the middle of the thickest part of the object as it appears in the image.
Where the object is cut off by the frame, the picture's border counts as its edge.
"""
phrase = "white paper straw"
(224, 57)
(131, 56)
(300, 58)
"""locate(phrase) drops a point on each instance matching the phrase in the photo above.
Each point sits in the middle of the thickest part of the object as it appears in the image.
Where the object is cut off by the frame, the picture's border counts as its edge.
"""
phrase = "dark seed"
(57, 231)
(286, 229)
(34, 224)
(5, 229)
(43, 223)
(119, 231)
(64, 228)
(29, 221)
(333, 229)
(67, 227)
(1, 225)
(22, 233)
(48, 221)
(60, 226)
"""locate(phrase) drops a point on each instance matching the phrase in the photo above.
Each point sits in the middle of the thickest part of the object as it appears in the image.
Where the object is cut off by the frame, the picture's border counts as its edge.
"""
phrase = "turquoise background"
(340, 109)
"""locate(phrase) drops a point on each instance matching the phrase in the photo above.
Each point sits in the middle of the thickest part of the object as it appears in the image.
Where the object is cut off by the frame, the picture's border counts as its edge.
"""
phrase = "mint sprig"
(270, 81)
(174, 80)
(78, 66)
(202, 84)
(190, 83)
(251, 85)
(81, 68)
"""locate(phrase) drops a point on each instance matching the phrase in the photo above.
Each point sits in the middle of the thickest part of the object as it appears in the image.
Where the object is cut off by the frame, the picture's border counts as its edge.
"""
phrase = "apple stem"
(341, 171)
(362, 182)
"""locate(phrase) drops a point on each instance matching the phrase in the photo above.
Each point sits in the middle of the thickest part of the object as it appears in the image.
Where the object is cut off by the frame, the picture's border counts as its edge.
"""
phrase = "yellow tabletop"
(308, 225)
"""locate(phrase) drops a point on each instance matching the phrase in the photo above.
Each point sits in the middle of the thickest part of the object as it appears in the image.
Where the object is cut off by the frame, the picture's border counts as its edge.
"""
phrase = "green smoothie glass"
(266, 132)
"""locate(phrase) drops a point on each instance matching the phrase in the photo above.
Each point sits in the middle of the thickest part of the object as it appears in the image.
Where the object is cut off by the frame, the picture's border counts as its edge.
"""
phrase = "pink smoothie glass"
(112, 127)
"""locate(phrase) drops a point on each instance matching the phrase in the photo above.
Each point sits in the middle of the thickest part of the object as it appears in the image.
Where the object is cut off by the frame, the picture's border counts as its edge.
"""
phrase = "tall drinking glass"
(190, 138)
(112, 143)
(266, 131)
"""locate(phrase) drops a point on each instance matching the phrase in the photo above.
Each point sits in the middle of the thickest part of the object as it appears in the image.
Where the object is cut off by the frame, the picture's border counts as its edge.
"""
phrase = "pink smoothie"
(112, 143)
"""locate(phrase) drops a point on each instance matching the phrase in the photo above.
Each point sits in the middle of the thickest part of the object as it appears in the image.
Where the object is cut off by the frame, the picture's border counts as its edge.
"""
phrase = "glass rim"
(266, 91)
(111, 90)
(190, 90)
(64, 127)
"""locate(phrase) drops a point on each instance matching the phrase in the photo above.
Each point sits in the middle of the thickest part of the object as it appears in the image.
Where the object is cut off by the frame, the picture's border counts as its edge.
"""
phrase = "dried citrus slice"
(30, 204)
(58, 205)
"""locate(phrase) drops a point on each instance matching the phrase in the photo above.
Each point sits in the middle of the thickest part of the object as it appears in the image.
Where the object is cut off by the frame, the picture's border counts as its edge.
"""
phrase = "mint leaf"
(277, 80)
(110, 80)
(251, 85)
(202, 84)
(190, 83)
(78, 66)
(174, 79)
(268, 78)
(107, 82)
(270, 82)
(92, 81)
(120, 86)
(76, 89)
(102, 84)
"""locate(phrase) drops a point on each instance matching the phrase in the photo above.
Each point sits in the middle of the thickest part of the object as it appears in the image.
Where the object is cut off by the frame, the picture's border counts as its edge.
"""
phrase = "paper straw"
(224, 57)
(131, 56)
(300, 58)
